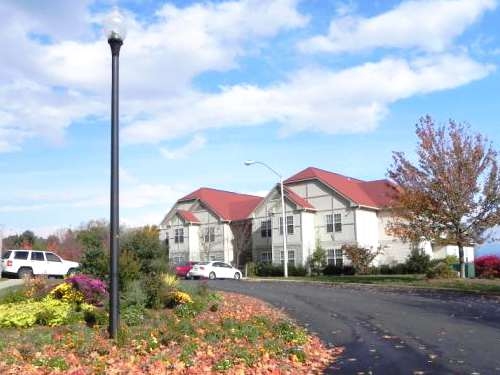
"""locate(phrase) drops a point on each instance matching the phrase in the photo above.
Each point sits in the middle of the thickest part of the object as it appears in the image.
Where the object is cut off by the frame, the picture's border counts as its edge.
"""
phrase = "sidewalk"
(11, 282)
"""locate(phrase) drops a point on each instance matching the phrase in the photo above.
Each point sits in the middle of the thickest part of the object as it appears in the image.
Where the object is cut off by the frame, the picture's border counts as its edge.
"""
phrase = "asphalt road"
(388, 331)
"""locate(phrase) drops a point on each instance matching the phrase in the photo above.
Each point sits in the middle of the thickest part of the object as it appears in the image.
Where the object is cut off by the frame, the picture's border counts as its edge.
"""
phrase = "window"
(38, 256)
(265, 228)
(291, 257)
(23, 255)
(166, 238)
(210, 234)
(52, 257)
(337, 218)
(178, 259)
(289, 225)
(329, 223)
(6, 255)
(335, 257)
(266, 257)
(179, 235)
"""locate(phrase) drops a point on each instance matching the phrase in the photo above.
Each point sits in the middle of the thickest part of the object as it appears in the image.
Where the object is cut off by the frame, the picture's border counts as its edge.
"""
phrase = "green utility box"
(470, 271)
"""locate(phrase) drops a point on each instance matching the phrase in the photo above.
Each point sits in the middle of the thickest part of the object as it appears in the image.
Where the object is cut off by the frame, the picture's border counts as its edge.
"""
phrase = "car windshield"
(6, 255)
(203, 263)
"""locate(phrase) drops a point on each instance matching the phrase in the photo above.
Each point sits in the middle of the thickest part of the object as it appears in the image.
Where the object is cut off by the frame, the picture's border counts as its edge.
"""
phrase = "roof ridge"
(338, 174)
(225, 191)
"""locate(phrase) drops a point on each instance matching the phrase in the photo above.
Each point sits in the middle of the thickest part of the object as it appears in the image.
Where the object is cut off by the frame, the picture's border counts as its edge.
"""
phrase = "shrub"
(296, 271)
(145, 244)
(49, 312)
(13, 296)
(36, 287)
(134, 295)
(488, 266)
(317, 261)
(93, 290)
(441, 270)
(133, 315)
(332, 270)
(177, 298)
(130, 268)
(360, 257)
(418, 262)
(65, 292)
(171, 281)
(95, 262)
(267, 269)
(93, 316)
(155, 289)
(251, 269)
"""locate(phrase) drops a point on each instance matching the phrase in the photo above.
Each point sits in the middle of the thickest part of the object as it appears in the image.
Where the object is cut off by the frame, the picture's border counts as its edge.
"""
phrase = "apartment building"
(321, 207)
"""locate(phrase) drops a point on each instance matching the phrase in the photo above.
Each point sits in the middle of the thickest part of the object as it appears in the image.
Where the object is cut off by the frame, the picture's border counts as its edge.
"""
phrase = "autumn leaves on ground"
(199, 332)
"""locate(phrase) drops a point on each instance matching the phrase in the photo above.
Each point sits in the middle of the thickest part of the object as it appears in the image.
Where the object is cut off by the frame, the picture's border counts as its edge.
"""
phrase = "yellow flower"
(66, 293)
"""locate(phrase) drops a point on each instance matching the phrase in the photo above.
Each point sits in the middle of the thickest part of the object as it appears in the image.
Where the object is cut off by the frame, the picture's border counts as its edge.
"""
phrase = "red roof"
(376, 194)
(298, 200)
(227, 205)
(188, 216)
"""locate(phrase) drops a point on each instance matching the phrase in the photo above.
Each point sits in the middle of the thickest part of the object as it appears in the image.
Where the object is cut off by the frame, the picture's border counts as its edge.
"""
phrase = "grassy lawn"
(223, 332)
(467, 285)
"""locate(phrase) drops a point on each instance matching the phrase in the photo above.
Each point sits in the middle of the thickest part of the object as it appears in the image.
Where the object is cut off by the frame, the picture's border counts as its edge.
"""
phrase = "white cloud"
(66, 80)
(195, 144)
(350, 100)
(429, 25)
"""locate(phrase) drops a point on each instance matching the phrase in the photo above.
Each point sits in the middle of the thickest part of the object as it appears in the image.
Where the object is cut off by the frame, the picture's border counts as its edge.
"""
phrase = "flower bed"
(212, 333)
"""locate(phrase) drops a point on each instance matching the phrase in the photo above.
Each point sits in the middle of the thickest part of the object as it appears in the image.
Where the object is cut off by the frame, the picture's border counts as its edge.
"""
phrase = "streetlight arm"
(268, 167)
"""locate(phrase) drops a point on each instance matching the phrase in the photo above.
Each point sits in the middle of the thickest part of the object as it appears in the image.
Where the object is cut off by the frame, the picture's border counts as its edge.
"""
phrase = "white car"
(214, 270)
(26, 263)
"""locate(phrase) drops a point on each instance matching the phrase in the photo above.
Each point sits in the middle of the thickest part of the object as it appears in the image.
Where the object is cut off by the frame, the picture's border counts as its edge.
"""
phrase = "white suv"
(26, 263)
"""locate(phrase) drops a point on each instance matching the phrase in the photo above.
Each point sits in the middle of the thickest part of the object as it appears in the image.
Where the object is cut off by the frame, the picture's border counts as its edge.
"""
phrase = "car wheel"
(25, 273)
(71, 272)
(212, 276)
(237, 276)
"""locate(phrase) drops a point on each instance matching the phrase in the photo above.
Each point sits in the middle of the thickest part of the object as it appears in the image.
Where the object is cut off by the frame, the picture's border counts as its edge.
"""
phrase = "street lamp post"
(283, 217)
(115, 32)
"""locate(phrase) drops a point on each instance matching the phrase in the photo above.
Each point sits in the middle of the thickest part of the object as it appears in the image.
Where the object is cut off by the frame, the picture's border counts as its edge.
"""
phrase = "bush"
(133, 315)
(332, 270)
(417, 262)
(130, 268)
(65, 292)
(268, 269)
(93, 316)
(394, 269)
(134, 295)
(155, 289)
(317, 261)
(95, 262)
(145, 244)
(296, 271)
(251, 269)
(441, 270)
(36, 288)
(93, 290)
(177, 298)
(488, 266)
(360, 257)
(49, 312)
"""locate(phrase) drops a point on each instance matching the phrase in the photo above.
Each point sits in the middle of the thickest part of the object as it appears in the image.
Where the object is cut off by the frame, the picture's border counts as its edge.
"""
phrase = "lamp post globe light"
(115, 31)
(283, 217)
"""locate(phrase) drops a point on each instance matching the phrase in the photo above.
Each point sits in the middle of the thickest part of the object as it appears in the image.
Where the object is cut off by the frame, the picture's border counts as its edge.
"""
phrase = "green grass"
(467, 285)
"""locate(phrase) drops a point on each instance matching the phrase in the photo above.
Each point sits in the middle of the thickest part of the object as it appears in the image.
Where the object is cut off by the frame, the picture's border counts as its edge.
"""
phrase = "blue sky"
(206, 85)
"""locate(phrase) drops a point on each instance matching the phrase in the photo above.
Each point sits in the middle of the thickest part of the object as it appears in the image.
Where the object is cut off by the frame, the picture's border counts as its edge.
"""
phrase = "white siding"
(308, 236)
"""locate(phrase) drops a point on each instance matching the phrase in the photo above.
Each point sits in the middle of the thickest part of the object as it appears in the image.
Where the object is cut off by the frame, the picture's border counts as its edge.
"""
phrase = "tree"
(242, 241)
(144, 243)
(452, 194)
(317, 261)
(361, 257)
(95, 259)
